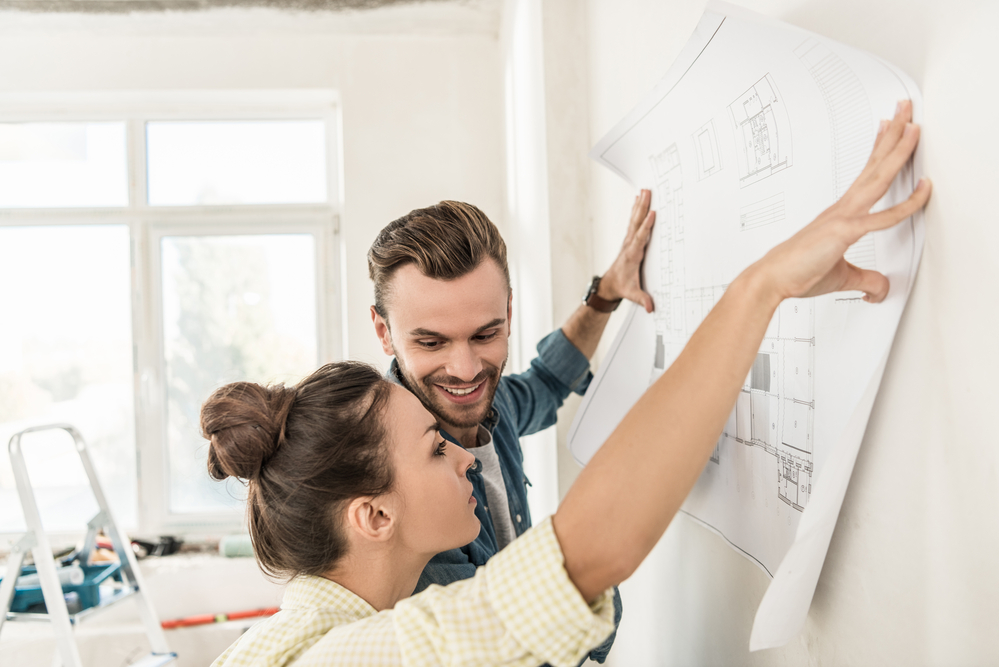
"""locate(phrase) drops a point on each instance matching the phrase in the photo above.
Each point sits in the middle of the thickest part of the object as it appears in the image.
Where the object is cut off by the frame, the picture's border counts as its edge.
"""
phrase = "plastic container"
(89, 594)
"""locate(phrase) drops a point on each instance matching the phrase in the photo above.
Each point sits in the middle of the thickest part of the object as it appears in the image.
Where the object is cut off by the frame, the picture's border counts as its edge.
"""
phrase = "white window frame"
(147, 224)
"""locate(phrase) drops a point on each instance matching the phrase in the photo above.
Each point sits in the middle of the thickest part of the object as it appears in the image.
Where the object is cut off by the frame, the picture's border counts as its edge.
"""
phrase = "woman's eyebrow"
(436, 426)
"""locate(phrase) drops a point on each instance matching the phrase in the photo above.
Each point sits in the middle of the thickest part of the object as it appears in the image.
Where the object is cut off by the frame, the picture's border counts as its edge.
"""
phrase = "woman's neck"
(379, 577)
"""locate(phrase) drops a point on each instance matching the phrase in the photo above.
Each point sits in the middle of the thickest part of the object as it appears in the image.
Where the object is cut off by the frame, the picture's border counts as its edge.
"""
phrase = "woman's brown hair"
(305, 452)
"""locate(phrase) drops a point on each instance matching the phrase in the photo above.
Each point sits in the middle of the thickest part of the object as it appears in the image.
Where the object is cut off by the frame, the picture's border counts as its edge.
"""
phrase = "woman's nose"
(466, 460)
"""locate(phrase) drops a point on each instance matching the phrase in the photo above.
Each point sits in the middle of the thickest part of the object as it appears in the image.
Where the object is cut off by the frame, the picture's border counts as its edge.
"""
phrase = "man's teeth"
(460, 392)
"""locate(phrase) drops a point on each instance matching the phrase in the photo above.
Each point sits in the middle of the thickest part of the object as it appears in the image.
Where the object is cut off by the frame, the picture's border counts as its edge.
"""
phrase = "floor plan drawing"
(774, 410)
(706, 145)
(755, 129)
(763, 131)
(669, 195)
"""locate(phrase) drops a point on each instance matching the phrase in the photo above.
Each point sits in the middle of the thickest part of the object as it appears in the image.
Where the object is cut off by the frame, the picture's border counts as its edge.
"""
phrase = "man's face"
(450, 338)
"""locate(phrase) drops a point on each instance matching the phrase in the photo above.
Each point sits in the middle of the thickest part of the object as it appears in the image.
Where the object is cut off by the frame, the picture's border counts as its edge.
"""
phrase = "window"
(153, 248)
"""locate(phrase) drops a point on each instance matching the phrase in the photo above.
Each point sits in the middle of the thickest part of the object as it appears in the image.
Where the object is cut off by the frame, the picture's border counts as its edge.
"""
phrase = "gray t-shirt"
(492, 476)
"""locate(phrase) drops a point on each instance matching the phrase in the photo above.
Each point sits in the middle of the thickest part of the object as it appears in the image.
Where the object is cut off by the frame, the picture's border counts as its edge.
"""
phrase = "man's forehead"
(420, 304)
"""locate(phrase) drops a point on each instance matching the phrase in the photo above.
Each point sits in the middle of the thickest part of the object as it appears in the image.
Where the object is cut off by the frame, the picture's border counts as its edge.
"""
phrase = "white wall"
(910, 575)
(420, 86)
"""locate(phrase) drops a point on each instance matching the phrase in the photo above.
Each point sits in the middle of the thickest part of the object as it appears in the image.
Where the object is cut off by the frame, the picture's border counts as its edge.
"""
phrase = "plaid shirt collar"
(307, 592)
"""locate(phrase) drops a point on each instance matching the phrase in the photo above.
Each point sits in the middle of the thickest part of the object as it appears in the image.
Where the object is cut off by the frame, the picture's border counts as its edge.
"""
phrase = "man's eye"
(485, 337)
(428, 344)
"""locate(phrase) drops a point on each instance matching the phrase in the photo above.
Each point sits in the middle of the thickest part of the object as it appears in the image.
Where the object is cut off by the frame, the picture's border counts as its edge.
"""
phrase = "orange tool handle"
(203, 619)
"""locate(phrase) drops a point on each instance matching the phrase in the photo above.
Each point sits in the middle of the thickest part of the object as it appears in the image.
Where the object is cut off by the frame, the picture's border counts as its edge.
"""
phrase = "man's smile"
(462, 395)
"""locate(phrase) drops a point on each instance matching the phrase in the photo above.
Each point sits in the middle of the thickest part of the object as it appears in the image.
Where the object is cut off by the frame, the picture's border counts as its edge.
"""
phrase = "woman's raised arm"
(624, 499)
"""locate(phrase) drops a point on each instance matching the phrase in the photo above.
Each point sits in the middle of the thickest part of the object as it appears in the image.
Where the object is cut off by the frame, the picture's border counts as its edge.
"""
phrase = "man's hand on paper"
(792, 265)
(624, 277)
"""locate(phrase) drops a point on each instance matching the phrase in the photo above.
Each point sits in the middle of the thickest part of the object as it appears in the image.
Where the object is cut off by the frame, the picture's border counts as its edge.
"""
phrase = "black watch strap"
(596, 302)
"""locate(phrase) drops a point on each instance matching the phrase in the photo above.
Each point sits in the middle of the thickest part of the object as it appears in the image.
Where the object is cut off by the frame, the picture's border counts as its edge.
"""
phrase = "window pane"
(56, 165)
(230, 162)
(234, 308)
(66, 356)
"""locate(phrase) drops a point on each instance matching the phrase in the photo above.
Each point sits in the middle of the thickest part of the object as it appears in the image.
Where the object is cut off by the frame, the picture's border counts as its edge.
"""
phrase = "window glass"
(66, 356)
(234, 308)
(236, 162)
(56, 165)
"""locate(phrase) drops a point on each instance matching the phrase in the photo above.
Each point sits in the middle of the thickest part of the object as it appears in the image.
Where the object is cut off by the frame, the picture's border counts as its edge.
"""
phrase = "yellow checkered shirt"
(520, 609)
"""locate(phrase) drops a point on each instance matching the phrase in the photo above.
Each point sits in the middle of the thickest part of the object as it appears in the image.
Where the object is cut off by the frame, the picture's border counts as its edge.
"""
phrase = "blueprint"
(754, 130)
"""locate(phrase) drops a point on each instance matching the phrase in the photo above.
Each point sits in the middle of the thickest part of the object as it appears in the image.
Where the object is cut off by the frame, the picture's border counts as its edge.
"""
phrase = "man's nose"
(464, 363)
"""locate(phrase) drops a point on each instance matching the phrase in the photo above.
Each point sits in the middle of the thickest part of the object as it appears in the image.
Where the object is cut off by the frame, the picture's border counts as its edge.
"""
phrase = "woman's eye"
(441, 448)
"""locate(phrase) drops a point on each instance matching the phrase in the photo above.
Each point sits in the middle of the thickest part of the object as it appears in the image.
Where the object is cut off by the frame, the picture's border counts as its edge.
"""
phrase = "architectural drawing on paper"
(764, 212)
(851, 128)
(668, 297)
(713, 141)
(763, 132)
(706, 150)
(775, 410)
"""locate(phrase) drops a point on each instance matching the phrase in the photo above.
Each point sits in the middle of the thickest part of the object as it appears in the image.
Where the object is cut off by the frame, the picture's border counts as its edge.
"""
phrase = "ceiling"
(130, 6)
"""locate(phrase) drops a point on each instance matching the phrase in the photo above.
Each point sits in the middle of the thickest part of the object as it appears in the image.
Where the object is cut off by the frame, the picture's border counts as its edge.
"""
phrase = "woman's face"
(436, 510)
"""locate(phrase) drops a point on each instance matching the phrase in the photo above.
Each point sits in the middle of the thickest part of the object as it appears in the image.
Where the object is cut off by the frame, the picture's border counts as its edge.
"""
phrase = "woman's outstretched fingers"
(874, 285)
(892, 132)
(893, 162)
(899, 212)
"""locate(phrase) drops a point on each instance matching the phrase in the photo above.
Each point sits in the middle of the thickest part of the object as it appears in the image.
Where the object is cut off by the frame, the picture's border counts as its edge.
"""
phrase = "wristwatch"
(597, 303)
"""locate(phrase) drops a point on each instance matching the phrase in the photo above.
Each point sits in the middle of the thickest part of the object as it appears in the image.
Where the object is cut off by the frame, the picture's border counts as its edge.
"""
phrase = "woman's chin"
(471, 532)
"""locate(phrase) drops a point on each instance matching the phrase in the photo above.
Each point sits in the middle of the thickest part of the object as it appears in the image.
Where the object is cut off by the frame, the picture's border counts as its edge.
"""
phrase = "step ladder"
(37, 542)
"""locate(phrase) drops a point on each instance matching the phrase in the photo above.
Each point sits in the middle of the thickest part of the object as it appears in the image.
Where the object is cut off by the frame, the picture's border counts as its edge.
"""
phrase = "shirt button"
(518, 518)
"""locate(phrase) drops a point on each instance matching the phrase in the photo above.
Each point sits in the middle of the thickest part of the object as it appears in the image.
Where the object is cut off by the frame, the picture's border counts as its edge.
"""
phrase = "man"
(443, 307)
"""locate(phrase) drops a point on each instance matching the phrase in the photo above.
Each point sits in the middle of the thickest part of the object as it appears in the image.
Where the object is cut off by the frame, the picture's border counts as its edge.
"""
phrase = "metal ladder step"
(36, 542)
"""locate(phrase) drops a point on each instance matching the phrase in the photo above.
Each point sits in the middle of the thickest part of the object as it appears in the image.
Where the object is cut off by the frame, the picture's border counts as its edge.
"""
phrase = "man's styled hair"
(446, 241)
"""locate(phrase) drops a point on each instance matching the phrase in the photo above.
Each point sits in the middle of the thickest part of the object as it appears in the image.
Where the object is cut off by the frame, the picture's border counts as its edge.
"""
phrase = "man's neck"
(467, 437)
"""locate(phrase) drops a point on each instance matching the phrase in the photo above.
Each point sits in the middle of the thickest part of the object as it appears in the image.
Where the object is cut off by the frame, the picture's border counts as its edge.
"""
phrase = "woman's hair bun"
(245, 423)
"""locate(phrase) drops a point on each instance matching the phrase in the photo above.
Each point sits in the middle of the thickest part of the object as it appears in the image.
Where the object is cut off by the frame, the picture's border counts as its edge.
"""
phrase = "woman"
(352, 490)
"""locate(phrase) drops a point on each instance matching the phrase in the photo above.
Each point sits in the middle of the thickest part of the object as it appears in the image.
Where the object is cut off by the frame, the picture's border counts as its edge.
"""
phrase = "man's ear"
(371, 518)
(509, 314)
(382, 331)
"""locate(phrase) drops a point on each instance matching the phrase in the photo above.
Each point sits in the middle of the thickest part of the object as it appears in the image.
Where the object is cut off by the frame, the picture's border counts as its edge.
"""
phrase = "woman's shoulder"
(312, 608)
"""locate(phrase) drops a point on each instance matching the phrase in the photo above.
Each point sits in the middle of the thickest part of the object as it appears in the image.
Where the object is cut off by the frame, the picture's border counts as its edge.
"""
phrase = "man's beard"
(449, 413)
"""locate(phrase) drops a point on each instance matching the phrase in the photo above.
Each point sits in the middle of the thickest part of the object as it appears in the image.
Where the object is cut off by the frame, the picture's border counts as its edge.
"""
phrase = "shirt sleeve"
(535, 395)
(520, 610)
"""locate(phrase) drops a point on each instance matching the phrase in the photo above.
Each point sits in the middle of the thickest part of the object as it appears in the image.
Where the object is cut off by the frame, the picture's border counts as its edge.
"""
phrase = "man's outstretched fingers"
(638, 212)
(645, 231)
(899, 212)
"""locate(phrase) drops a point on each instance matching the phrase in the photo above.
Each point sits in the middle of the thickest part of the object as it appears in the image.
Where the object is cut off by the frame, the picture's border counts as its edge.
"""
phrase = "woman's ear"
(371, 518)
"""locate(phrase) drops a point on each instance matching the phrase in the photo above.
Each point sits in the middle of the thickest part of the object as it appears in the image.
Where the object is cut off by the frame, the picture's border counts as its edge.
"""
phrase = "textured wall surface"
(908, 578)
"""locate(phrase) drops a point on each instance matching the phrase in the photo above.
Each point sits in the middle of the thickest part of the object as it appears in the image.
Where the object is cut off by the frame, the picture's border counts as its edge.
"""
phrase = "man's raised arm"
(623, 280)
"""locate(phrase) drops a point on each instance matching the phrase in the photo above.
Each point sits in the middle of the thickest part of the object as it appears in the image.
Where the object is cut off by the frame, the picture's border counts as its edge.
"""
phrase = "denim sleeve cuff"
(565, 361)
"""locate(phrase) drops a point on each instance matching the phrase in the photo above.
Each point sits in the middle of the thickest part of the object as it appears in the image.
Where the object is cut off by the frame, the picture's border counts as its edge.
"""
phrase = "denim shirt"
(524, 404)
